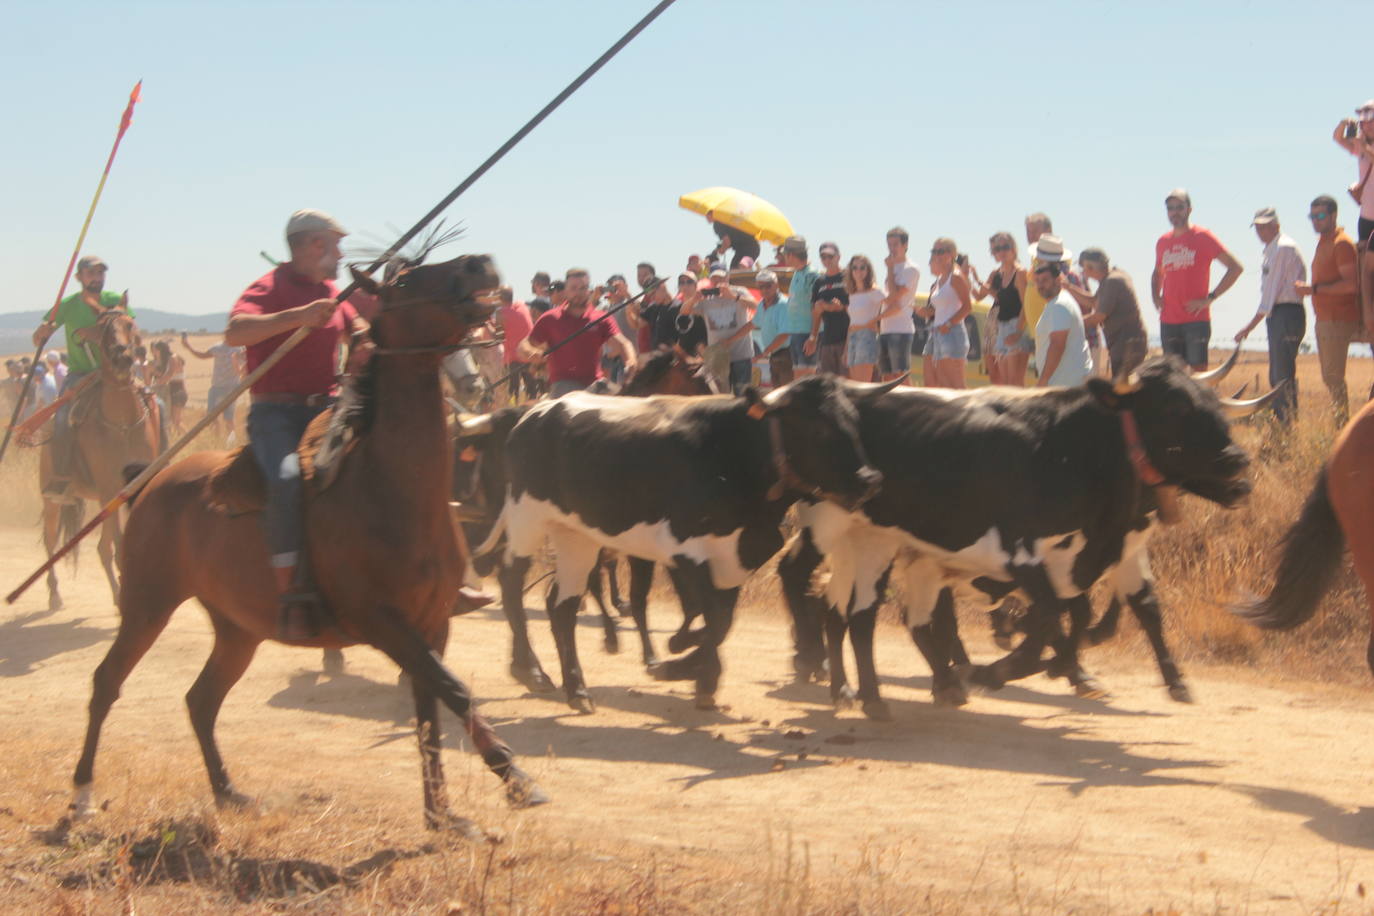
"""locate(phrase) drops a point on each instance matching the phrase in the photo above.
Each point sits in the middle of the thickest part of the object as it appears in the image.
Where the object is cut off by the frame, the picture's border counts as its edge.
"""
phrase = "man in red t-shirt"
(1181, 282)
(299, 293)
(515, 322)
(577, 365)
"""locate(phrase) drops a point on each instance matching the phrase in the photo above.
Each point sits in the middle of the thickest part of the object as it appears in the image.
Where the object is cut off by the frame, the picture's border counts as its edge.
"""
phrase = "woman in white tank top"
(947, 344)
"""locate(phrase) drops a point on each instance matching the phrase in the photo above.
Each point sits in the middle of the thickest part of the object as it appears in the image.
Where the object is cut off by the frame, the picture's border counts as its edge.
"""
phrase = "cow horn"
(778, 396)
(475, 426)
(1219, 373)
(863, 389)
(1238, 409)
(1126, 384)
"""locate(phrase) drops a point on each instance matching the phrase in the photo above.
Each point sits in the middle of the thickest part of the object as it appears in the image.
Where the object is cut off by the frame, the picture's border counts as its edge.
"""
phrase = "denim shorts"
(896, 353)
(863, 347)
(1187, 339)
(953, 345)
(1024, 344)
(798, 348)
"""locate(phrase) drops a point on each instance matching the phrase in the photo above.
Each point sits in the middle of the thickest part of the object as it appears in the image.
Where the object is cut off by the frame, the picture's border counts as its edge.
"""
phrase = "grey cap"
(1264, 216)
(91, 260)
(765, 276)
(312, 221)
(795, 244)
(1179, 194)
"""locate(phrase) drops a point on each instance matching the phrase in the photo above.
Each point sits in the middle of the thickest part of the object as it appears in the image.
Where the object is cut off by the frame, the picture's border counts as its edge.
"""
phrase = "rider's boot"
(301, 614)
(63, 457)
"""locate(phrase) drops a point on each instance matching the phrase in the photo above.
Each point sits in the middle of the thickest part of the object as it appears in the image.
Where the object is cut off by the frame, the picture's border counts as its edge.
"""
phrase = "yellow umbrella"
(740, 210)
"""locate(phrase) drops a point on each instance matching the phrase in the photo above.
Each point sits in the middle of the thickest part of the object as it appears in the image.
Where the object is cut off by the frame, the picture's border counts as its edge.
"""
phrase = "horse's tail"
(130, 472)
(70, 518)
(1312, 551)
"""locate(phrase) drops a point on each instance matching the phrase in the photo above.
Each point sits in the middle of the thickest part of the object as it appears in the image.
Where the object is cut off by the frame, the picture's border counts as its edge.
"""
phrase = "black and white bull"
(998, 491)
(697, 484)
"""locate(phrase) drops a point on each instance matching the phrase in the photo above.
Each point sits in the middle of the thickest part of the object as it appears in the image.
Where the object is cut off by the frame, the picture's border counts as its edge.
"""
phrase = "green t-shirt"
(73, 314)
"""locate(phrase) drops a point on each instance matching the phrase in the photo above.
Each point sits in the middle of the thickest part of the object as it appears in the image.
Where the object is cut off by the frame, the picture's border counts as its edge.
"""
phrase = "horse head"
(118, 338)
(433, 306)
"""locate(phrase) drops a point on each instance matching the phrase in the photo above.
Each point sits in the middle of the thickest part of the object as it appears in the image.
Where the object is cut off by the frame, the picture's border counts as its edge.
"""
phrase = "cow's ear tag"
(468, 455)
(757, 411)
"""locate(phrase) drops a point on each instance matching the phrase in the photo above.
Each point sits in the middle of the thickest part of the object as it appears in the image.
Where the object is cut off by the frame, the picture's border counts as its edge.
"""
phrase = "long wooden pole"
(124, 123)
(161, 461)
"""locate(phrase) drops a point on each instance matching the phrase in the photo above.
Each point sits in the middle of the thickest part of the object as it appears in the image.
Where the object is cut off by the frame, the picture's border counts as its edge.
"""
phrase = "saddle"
(238, 486)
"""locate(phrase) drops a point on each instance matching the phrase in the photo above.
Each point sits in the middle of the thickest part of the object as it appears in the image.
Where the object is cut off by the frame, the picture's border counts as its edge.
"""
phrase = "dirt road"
(1028, 800)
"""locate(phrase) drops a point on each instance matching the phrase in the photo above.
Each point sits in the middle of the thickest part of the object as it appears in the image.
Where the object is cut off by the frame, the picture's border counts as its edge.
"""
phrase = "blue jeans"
(797, 344)
(1286, 325)
(1187, 339)
(63, 443)
(274, 434)
(894, 353)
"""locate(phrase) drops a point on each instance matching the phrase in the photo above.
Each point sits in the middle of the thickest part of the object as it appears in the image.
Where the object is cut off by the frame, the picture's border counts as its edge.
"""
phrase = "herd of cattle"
(982, 494)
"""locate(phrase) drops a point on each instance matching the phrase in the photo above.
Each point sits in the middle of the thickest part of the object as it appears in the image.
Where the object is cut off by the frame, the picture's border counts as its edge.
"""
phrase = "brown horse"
(115, 423)
(380, 540)
(1339, 511)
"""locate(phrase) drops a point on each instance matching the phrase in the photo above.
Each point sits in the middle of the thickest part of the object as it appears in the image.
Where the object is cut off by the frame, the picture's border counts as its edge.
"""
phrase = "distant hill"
(16, 328)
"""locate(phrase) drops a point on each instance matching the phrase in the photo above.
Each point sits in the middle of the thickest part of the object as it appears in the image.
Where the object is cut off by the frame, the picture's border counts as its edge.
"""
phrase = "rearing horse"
(114, 424)
(380, 540)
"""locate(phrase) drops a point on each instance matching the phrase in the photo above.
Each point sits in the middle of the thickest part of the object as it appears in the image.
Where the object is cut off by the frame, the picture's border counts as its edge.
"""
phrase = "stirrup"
(300, 616)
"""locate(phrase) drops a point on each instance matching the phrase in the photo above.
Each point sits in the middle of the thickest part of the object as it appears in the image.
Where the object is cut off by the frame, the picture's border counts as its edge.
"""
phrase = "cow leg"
(928, 603)
(577, 556)
(610, 634)
(1065, 662)
(1145, 606)
(720, 615)
(841, 694)
(861, 625)
(691, 578)
(229, 659)
(795, 569)
(524, 666)
(946, 627)
(1105, 628)
(395, 636)
(641, 579)
(612, 565)
(693, 595)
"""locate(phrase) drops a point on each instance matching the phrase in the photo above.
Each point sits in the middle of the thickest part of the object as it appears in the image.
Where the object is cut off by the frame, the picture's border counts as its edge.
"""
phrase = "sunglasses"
(1047, 270)
(998, 249)
(935, 252)
(863, 267)
(827, 255)
(1172, 207)
(1318, 217)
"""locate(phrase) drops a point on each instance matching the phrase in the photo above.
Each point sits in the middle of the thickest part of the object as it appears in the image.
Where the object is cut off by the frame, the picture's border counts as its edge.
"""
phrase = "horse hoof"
(952, 696)
(583, 704)
(680, 642)
(705, 702)
(651, 661)
(1180, 693)
(333, 662)
(523, 792)
(877, 710)
(534, 679)
(612, 643)
(1088, 688)
(232, 800)
(455, 825)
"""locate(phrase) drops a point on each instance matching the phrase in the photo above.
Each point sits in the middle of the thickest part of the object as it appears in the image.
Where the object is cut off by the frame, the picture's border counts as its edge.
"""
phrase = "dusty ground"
(1254, 799)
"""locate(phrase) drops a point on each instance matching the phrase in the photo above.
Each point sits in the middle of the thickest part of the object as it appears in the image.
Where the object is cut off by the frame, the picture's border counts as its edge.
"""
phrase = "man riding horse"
(78, 314)
(298, 293)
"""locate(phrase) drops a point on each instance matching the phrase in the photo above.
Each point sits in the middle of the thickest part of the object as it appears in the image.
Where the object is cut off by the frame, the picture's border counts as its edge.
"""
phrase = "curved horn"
(1239, 409)
(1219, 373)
(778, 396)
(866, 389)
(475, 426)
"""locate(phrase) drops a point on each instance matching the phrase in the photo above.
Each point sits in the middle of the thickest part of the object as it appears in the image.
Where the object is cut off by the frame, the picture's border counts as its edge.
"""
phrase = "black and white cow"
(995, 491)
(697, 484)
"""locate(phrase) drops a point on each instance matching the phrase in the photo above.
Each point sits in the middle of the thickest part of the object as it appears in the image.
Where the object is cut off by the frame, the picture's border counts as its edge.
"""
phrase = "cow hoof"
(705, 702)
(680, 642)
(233, 800)
(534, 679)
(622, 607)
(1180, 693)
(333, 662)
(582, 703)
(612, 643)
(843, 698)
(982, 678)
(1089, 688)
(455, 825)
(951, 695)
(877, 710)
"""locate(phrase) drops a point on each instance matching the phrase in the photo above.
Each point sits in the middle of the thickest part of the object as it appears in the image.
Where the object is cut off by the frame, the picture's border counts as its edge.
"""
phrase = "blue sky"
(950, 119)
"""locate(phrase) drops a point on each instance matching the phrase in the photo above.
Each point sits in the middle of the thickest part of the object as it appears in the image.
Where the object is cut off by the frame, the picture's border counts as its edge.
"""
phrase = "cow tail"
(497, 531)
(1312, 551)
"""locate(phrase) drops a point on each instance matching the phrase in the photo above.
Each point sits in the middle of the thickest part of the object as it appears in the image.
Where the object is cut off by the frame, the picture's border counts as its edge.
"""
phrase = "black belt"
(297, 400)
(1296, 305)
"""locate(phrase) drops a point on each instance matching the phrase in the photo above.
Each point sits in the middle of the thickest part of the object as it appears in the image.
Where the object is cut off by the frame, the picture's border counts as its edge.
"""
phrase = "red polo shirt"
(579, 361)
(516, 322)
(310, 368)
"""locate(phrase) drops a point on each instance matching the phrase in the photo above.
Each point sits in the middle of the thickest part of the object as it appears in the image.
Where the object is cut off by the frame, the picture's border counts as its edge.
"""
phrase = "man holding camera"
(575, 366)
(1356, 136)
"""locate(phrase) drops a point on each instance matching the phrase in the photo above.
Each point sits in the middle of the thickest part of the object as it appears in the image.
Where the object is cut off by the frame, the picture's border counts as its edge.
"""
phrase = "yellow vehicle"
(976, 372)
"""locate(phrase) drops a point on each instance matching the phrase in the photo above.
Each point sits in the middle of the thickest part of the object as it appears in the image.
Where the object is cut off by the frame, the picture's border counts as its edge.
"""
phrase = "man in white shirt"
(1061, 345)
(1280, 307)
(896, 326)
